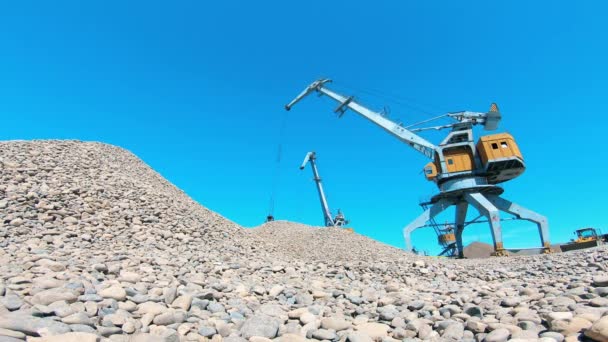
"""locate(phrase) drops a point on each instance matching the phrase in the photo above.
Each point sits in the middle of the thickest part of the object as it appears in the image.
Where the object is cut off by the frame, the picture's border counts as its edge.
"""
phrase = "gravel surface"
(97, 246)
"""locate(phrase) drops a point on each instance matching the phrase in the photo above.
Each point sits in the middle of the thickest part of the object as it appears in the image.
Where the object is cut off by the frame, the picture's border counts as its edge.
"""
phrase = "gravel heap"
(97, 246)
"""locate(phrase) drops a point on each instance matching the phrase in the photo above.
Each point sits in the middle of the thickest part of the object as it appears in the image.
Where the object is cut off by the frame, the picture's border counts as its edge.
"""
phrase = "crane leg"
(461, 215)
(486, 208)
(419, 222)
(525, 214)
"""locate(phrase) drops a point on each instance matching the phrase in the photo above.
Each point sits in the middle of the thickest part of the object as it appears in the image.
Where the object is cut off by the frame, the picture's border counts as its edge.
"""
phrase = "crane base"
(486, 199)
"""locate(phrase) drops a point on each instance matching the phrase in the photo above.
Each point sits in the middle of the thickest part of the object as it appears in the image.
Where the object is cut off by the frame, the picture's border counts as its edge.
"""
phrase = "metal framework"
(339, 220)
(476, 188)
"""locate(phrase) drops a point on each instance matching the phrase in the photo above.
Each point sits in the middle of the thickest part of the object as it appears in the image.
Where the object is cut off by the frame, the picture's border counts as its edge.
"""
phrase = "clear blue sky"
(197, 88)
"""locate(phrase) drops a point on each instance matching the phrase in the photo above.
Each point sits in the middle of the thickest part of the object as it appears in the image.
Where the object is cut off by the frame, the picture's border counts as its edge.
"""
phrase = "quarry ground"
(97, 246)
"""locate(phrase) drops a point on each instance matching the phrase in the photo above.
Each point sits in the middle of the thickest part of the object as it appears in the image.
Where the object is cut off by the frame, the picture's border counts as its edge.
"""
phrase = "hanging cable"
(277, 170)
(409, 103)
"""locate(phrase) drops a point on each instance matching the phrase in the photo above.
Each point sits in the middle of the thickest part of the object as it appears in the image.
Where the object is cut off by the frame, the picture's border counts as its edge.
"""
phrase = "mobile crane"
(339, 220)
(465, 173)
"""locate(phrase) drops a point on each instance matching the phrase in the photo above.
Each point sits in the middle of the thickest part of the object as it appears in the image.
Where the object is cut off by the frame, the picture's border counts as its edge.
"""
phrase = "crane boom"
(418, 143)
(310, 157)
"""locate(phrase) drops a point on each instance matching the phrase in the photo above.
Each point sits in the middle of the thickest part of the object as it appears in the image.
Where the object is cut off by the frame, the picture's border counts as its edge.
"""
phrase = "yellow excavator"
(585, 238)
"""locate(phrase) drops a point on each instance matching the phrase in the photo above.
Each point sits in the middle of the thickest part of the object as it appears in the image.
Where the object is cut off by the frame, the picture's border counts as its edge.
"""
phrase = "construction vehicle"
(330, 221)
(585, 238)
(465, 173)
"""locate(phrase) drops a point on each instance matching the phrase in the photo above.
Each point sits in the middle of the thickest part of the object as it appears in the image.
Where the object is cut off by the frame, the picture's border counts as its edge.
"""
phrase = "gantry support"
(488, 206)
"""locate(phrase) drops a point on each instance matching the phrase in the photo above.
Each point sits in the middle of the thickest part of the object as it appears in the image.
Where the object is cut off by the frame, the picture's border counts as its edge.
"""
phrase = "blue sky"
(197, 89)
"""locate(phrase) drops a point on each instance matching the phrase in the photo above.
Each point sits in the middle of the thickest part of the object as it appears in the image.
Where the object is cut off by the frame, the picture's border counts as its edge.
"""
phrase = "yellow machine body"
(499, 154)
(446, 238)
(500, 157)
(586, 235)
(458, 159)
(430, 171)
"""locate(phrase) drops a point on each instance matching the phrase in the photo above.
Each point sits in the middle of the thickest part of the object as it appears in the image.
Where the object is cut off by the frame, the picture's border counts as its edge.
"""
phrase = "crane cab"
(500, 157)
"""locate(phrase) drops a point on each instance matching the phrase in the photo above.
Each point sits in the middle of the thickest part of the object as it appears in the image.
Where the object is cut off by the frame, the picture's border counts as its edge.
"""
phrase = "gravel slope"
(95, 245)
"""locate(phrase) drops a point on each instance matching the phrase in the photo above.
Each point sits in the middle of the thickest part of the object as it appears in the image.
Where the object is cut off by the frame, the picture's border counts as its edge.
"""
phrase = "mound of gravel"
(95, 246)
(477, 250)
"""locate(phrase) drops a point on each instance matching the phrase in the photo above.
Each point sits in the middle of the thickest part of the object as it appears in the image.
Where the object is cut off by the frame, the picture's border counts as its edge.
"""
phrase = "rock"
(324, 334)
(151, 308)
(359, 336)
(554, 336)
(272, 310)
(11, 301)
(416, 305)
(307, 318)
(108, 331)
(599, 329)
(11, 333)
(50, 296)
(260, 325)
(510, 302)
(304, 299)
(16, 222)
(601, 291)
(475, 311)
(82, 328)
(600, 302)
(600, 281)
(559, 316)
(115, 292)
(90, 298)
(454, 331)
(129, 277)
(207, 331)
(182, 302)
(78, 318)
(576, 325)
(476, 326)
(169, 318)
(374, 330)
(498, 335)
(128, 327)
(276, 290)
(145, 337)
(32, 325)
(215, 307)
(291, 338)
(103, 268)
(67, 337)
(51, 265)
(169, 294)
(563, 301)
(9, 339)
(259, 339)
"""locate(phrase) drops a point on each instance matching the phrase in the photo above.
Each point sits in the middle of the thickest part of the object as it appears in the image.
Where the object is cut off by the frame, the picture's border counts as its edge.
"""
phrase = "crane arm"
(306, 159)
(418, 143)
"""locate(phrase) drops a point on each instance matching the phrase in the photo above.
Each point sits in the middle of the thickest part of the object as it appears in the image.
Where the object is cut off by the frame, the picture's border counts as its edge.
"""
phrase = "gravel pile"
(96, 246)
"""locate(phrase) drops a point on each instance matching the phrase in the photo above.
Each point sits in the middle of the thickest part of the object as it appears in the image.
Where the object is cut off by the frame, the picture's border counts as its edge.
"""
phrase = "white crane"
(465, 173)
(339, 220)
